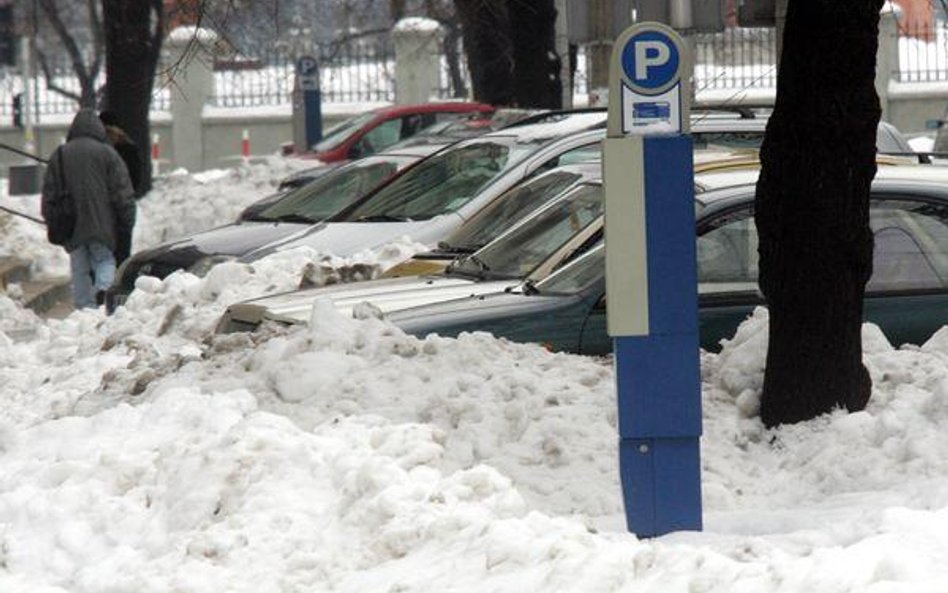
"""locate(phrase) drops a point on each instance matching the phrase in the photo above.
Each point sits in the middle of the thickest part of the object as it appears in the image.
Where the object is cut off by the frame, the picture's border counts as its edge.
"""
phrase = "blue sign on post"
(307, 76)
(651, 280)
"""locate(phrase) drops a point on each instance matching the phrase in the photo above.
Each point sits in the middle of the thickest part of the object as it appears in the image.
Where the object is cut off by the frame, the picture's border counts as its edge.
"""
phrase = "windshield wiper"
(478, 262)
(444, 247)
(530, 287)
(459, 267)
(382, 218)
(293, 218)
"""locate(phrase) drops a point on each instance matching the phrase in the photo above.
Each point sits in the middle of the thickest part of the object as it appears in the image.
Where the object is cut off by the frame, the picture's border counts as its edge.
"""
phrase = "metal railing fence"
(923, 52)
(362, 69)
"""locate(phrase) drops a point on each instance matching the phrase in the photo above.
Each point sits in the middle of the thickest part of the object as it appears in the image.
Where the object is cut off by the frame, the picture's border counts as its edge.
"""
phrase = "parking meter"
(651, 279)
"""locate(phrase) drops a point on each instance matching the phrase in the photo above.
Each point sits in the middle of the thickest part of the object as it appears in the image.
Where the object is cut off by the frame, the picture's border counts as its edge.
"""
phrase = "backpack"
(61, 212)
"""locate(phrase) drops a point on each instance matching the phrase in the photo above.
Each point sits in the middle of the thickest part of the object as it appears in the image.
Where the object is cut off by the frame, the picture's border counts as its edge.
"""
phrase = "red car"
(380, 128)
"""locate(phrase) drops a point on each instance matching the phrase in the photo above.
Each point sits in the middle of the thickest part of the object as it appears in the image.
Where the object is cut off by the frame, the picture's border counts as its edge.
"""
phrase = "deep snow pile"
(141, 452)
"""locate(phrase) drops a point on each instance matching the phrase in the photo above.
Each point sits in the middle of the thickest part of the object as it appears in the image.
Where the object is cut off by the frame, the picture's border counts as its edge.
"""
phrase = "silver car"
(433, 198)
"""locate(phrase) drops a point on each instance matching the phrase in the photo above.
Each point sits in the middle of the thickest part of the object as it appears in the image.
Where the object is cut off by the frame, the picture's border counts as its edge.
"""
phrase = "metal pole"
(562, 48)
(36, 85)
(780, 14)
(599, 52)
(26, 68)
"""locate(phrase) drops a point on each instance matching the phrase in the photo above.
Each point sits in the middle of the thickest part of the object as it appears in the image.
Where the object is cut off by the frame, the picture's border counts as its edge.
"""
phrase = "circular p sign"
(650, 62)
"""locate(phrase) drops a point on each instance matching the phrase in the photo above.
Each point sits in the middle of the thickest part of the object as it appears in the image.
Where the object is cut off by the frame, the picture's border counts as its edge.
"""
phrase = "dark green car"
(907, 296)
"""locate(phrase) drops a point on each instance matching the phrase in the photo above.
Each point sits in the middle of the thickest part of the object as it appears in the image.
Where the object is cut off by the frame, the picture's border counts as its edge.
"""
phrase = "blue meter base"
(312, 105)
(661, 484)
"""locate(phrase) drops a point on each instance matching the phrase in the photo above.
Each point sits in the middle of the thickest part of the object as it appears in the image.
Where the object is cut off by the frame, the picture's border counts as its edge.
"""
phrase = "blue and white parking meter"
(307, 105)
(651, 279)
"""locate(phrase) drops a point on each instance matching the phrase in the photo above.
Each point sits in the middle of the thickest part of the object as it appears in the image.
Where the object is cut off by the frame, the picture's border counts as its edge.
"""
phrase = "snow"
(418, 24)
(187, 34)
(142, 453)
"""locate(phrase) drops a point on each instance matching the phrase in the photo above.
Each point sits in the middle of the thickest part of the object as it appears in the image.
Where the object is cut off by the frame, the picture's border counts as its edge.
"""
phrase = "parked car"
(907, 296)
(501, 263)
(507, 211)
(712, 167)
(380, 128)
(564, 228)
(304, 176)
(429, 201)
(744, 128)
(470, 125)
(292, 213)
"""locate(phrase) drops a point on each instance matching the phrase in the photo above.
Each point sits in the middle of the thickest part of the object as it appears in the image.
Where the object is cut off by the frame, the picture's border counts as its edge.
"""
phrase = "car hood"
(232, 239)
(387, 295)
(475, 312)
(348, 238)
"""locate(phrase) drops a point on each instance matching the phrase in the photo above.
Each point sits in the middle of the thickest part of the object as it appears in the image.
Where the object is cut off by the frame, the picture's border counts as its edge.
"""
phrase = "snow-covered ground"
(142, 453)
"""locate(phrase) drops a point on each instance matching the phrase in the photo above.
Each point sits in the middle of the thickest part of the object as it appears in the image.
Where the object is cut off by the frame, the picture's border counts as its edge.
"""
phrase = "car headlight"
(202, 266)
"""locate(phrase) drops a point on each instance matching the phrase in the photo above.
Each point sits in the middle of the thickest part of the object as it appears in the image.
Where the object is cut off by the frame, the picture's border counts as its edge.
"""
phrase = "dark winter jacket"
(98, 181)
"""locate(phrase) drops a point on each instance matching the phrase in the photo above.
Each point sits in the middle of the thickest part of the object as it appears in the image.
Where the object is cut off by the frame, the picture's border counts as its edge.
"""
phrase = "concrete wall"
(221, 144)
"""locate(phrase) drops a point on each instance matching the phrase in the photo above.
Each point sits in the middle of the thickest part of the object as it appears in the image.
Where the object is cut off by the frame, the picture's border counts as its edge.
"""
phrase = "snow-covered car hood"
(386, 296)
(348, 238)
(234, 239)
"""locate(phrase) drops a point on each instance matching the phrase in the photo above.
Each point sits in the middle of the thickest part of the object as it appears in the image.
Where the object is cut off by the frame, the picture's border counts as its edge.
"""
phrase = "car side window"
(910, 254)
(727, 255)
(411, 125)
(911, 246)
(381, 137)
(580, 154)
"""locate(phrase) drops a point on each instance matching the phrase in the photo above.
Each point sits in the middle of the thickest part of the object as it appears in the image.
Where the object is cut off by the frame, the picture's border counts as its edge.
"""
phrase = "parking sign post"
(307, 104)
(651, 279)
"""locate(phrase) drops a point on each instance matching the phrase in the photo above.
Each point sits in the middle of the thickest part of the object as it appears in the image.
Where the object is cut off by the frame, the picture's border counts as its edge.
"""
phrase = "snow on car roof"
(569, 124)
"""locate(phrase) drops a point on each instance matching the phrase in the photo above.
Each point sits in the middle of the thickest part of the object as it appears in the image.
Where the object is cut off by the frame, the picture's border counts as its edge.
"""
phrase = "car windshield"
(339, 132)
(518, 252)
(577, 275)
(443, 182)
(507, 210)
(331, 193)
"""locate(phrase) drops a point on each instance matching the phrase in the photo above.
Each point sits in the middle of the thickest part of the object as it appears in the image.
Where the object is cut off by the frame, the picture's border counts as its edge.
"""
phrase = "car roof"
(416, 150)
(918, 179)
(567, 123)
(434, 107)
(591, 170)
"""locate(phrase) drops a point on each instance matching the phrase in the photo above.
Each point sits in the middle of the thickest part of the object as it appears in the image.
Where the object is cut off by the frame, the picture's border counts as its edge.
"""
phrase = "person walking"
(95, 176)
(128, 150)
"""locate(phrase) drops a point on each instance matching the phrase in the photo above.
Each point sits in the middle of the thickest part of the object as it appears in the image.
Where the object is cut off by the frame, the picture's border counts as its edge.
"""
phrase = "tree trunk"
(812, 209)
(453, 59)
(485, 30)
(133, 34)
(536, 72)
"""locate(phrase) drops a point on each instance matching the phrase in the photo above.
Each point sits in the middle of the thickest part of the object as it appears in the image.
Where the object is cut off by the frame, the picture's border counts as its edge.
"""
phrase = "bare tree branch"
(48, 75)
(52, 15)
(98, 38)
